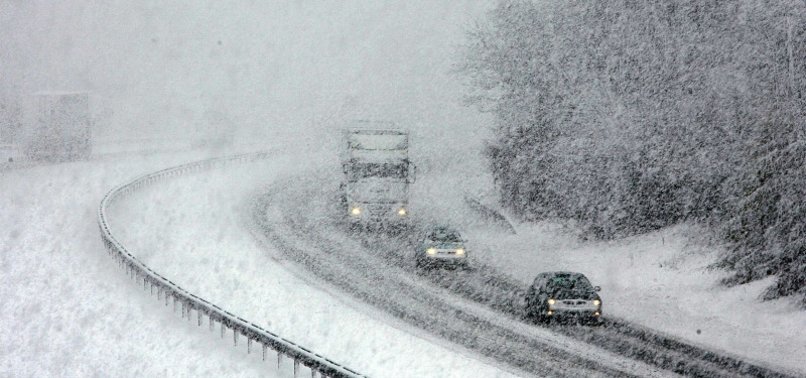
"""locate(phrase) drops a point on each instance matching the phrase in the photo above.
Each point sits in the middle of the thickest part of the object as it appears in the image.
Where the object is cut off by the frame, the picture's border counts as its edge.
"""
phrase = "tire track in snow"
(359, 272)
(316, 222)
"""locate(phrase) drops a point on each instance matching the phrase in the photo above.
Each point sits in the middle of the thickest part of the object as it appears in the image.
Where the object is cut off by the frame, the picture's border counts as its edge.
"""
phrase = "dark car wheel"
(595, 321)
(531, 315)
(534, 313)
(422, 264)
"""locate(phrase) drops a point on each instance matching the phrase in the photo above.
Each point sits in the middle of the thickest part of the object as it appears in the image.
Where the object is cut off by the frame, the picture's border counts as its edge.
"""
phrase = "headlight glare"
(355, 210)
(402, 212)
(597, 302)
(431, 251)
(460, 251)
(551, 301)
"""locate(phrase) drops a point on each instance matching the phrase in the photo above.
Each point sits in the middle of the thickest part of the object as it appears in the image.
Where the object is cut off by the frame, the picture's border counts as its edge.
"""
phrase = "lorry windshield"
(378, 190)
(392, 141)
(384, 170)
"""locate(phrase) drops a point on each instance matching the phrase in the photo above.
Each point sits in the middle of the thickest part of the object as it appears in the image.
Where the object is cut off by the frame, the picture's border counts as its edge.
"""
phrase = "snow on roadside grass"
(67, 310)
(662, 281)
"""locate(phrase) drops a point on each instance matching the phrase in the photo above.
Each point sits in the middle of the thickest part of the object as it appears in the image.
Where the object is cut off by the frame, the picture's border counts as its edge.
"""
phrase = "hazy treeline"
(626, 116)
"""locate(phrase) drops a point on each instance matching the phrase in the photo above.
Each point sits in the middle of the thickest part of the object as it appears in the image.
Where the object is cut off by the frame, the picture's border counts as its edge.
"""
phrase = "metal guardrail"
(169, 291)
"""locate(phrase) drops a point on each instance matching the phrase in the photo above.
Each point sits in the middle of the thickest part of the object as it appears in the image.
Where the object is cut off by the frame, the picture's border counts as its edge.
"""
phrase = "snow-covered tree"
(628, 116)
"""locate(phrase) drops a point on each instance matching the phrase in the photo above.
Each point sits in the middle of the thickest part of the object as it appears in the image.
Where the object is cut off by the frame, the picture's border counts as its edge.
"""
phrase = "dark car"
(563, 295)
(441, 246)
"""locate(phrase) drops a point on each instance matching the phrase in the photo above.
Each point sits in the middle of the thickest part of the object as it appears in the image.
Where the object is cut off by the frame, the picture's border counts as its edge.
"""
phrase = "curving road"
(480, 309)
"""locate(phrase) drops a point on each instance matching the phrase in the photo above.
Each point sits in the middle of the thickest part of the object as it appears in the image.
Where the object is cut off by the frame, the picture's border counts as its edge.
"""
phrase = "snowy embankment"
(67, 310)
(191, 229)
(660, 280)
(70, 311)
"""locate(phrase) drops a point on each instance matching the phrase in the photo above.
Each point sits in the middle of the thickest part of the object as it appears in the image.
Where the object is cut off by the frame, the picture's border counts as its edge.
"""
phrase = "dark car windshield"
(569, 286)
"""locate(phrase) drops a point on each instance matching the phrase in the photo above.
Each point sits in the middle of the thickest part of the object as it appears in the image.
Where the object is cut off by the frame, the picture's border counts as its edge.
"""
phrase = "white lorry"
(56, 126)
(377, 174)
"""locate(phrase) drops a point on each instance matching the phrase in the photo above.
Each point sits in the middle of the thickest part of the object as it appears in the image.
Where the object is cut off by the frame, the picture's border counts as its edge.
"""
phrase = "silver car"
(442, 246)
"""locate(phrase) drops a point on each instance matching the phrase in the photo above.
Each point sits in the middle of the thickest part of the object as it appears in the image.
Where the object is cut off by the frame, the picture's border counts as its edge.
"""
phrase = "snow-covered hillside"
(67, 309)
(283, 77)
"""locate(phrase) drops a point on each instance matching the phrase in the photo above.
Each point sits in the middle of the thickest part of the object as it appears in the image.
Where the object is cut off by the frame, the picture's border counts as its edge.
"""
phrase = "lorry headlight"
(551, 302)
(402, 212)
(597, 302)
(355, 210)
(431, 251)
(460, 251)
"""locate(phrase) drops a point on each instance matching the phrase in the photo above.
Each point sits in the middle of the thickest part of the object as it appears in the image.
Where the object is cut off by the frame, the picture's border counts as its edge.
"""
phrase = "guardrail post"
(296, 368)
(234, 337)
(248, 345)
(264, 352)
(198, 315)
(222, 328)
(279, 358)
(210, 319)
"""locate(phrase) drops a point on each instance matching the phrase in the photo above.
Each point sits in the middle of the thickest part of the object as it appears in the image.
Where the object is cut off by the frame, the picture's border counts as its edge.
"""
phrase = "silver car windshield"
(446, 236)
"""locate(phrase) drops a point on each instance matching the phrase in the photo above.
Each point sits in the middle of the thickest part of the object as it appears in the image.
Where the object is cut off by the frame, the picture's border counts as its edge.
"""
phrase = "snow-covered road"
(304, 229)
(61, 291)
(305, 208)
(314, 239)
(199, 240)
